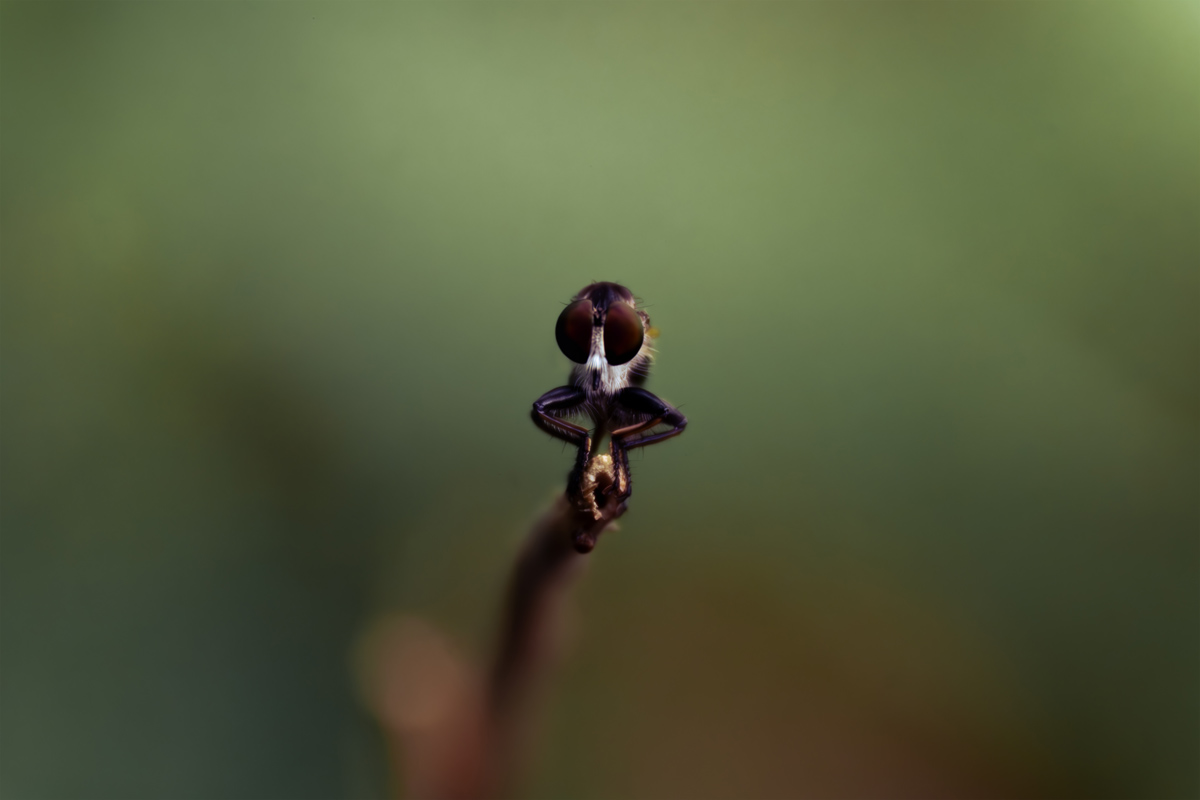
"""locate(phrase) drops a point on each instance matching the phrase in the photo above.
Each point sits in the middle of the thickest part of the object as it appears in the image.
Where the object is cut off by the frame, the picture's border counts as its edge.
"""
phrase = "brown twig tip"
(597, 508)
(589, 483)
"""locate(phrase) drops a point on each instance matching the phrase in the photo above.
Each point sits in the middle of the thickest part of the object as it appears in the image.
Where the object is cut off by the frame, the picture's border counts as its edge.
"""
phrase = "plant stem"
(455, 733)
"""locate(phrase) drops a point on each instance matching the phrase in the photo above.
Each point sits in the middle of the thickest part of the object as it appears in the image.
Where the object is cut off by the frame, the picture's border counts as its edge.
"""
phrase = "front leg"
(640, 402)
(565, 399)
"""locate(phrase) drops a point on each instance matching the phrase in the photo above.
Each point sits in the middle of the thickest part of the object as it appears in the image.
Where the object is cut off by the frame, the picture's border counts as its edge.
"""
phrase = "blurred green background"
(279, 283)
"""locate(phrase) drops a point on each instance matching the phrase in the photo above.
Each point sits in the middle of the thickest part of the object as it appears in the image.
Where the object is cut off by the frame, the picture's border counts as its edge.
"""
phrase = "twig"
(460, 735)
(553, 557)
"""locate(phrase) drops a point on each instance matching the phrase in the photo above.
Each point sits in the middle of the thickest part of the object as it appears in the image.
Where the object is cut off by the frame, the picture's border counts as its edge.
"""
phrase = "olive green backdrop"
(279, 283)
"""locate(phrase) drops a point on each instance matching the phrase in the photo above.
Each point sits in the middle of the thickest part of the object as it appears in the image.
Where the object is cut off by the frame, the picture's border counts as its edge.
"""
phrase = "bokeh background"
(279, 283)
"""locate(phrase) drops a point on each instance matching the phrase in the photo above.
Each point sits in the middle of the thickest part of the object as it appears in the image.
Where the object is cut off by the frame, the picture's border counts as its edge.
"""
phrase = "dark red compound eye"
(574, 331)
(623, 334)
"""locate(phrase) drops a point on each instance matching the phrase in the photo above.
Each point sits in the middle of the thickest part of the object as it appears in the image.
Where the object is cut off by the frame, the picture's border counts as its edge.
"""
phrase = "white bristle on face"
(612, 379)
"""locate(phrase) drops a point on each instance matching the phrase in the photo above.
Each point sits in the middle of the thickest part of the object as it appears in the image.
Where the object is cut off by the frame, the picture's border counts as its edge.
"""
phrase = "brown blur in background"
(279, 283)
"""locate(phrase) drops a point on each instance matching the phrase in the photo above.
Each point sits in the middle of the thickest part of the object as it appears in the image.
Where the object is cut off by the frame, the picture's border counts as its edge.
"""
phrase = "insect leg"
(562, 399)
(642, 403)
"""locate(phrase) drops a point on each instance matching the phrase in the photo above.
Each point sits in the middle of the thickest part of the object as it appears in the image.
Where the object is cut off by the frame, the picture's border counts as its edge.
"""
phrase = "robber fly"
(608, 337)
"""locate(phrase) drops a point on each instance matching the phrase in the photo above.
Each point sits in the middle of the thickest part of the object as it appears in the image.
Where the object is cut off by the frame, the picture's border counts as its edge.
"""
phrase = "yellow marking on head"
(652, 332)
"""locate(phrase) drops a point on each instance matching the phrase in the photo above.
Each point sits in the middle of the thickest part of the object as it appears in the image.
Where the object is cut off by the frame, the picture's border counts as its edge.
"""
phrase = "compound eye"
(623, 334)
(574, 331)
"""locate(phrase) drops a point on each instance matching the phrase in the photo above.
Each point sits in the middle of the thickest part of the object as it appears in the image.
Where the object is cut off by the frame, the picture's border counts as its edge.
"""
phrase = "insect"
(608, 337)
